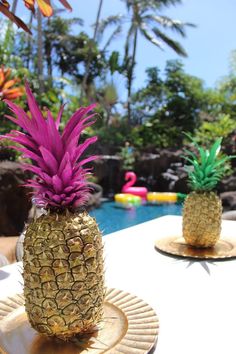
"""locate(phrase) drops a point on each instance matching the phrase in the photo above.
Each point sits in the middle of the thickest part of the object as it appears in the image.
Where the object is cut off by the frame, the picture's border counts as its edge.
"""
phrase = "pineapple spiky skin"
(63, 274)
(202, 219)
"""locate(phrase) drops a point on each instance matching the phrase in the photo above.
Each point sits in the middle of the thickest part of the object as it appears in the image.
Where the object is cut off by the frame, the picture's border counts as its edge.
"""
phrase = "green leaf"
(191, 161)
(190, 153)
(114, 61)
(215, 149)
(200, 173)
(208, 169)
(203, 156)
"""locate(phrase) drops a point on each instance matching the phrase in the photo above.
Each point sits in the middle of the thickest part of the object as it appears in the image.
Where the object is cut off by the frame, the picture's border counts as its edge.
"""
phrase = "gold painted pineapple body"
(63, 274)
(202, 219)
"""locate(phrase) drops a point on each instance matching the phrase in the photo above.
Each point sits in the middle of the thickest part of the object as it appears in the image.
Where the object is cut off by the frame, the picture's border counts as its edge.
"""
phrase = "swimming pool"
(111, 218)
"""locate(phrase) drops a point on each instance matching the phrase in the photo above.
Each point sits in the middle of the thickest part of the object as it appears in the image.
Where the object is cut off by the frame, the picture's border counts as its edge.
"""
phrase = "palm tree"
(107, 96)
(87, 67)
(144, 18)
(40, 51)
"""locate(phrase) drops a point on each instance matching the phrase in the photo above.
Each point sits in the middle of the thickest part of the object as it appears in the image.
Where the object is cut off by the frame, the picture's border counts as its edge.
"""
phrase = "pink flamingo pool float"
(128, 187)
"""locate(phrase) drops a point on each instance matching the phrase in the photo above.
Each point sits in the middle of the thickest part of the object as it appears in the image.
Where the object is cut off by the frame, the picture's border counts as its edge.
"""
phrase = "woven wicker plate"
(130, 326)
(225, 248)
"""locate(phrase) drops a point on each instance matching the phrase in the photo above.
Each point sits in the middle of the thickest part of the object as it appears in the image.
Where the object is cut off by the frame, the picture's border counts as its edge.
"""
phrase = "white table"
(194, 300)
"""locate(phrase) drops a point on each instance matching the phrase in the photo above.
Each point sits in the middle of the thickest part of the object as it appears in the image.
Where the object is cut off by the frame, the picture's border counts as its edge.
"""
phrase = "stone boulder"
(181, 185)
(95, 196)
(227, 184)
(14, 200)
(228, 200)
(107, 170)
(148, 165)
(168, 158)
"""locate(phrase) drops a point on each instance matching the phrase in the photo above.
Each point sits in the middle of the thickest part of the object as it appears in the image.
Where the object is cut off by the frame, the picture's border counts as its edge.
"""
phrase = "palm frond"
(75, 21)
(148, 35)
(151, 4)
(167, 3)
(113, 36)
(113, 20)
(166, 22)
(176, 46)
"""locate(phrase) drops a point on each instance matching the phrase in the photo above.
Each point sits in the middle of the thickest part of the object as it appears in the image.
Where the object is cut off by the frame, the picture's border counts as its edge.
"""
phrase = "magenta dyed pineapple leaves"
(61, 179)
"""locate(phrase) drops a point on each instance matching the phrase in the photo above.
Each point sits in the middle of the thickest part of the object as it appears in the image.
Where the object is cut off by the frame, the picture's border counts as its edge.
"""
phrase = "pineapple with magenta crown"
(63, 252)
(202, 208)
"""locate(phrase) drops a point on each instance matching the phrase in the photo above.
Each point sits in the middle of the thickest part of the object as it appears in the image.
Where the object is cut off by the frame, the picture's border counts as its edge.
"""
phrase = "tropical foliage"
(67, 65)
(168, 106)
(223, 126)
(44, 6)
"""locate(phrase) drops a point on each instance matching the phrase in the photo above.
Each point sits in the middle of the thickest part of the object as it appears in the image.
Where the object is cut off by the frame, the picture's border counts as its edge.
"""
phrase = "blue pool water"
(112, 218)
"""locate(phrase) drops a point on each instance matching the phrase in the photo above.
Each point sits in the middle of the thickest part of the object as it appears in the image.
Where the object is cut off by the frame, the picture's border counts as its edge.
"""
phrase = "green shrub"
(208, 132)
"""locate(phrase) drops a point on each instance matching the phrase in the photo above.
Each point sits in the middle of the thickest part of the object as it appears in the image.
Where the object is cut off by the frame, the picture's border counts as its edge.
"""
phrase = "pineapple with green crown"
(202, 208)
(63, 252)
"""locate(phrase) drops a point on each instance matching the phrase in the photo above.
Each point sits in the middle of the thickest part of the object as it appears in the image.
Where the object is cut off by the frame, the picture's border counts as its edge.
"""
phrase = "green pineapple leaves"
(205, 168)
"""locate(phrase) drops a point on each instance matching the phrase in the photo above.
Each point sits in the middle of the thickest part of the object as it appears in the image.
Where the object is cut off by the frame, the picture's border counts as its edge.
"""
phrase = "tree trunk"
(14, 6)
(87, 67)
(48, 54)
(40, 53)
(29, 43)
(108, 117)
(131, 77)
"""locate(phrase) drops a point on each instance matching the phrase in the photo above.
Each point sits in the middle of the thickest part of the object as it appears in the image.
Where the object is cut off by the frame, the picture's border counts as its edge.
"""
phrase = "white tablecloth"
(194, 300)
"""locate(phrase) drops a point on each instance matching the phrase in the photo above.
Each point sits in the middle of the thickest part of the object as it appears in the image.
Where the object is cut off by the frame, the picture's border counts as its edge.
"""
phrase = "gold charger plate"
(129, 326)
(224, 249)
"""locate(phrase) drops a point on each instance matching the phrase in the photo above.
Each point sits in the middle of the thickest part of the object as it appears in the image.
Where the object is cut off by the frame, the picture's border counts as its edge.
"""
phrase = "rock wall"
(14, 200)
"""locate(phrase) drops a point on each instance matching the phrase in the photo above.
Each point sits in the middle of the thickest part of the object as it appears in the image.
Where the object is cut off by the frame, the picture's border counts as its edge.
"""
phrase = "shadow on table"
(189, 262)
(204, 264)
(3, 274)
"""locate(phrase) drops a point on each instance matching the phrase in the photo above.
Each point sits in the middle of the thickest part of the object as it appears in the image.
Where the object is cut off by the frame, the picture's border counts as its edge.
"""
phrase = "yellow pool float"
(165, 197)
(126, 200)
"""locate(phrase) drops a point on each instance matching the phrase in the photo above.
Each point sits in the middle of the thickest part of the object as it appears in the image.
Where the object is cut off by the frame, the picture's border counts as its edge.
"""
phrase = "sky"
(208, 46)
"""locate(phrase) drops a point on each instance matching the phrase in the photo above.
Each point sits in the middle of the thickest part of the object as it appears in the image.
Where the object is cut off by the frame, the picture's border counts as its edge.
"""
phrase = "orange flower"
(6, 85)
(45, 6)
